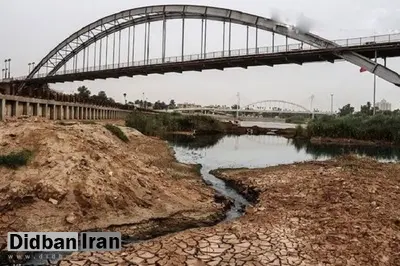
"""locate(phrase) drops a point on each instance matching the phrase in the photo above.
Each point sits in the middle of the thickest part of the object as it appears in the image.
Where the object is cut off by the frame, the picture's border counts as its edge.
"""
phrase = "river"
(250, 151)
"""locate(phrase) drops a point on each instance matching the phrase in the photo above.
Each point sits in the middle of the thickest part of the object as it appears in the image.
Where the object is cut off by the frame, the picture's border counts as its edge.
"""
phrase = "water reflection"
(386, 153)
(280, 149)
(190, 142)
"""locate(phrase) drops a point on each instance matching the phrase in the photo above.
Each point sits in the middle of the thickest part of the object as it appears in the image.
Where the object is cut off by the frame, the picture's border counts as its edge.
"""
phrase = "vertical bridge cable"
(256, 39)
(247, 41)
(133, 45)
(84, 59)
(148, 44)
(87, 61)
(101, 48)
(106, 52)
(230, 36)
(202, 37)
(183, 38)
(113, 61)
(95, 51)
(129, 44)
(164, 31)
(223, 39)
(273, 42)
(119, 48)
(145, 41)
(205, 38)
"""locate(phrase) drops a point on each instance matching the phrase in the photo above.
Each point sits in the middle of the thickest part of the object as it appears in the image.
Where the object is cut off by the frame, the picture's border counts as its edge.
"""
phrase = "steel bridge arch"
(281, 101)
(101, 28)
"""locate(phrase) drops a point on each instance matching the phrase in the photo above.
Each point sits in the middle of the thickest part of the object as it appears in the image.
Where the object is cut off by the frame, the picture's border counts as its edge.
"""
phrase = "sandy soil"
(82, 177)
(339, 212)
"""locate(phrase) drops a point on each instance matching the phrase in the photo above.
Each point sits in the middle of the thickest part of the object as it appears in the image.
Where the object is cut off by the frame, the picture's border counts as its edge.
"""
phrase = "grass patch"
(16, 159)
(117, 132)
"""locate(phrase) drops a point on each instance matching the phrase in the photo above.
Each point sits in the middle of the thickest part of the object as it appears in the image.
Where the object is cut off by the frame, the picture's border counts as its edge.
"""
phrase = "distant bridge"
(110, 47)
(266, 106)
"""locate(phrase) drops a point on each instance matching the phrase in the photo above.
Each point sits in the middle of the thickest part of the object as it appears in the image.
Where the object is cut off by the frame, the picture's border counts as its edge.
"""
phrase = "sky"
(30, 29)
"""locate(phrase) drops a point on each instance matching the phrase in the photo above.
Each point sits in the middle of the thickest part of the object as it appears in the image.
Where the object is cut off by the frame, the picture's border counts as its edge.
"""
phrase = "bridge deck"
(293, 57)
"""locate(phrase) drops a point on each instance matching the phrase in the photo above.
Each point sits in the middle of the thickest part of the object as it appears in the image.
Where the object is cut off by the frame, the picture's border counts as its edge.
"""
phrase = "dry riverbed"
(82, 177)
(340, 212)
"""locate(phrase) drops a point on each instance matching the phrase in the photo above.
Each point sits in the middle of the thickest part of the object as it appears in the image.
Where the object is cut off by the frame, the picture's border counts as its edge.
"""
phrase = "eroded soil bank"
(82, 177)
(338, 212)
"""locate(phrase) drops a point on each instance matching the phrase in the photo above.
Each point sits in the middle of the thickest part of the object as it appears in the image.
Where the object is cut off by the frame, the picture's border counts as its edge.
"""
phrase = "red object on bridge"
(363, 69)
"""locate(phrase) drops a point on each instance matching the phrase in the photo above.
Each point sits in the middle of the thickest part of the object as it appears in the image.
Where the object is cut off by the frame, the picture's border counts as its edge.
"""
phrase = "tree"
(83, 92)
(102, 96)
(172, 104)
(368, 109)
(346, 110)
(235, 106)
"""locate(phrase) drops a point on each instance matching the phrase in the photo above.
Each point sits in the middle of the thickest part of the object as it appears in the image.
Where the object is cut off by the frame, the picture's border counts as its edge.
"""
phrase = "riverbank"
(83, 177)
(337, 212)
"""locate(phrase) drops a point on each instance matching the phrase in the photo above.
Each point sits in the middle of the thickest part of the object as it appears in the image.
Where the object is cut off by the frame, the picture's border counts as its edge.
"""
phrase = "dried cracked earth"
(340, 212)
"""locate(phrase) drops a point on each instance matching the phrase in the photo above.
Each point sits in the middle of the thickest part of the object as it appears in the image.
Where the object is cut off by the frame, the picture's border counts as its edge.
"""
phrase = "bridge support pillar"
(66, 112)
(52, 112)
(2, 109)
(14, 109)
(84, 113)
(35, 109)
(95, 113)
(44, 110)
(25, 109)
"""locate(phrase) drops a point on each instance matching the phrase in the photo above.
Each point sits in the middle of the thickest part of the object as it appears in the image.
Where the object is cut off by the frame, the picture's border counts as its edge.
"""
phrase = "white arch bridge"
(265, 106)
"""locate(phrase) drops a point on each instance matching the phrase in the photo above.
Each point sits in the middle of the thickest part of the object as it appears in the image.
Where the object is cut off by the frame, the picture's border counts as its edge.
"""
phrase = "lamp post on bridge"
(125, 97)
(3, 73)
(8, 75)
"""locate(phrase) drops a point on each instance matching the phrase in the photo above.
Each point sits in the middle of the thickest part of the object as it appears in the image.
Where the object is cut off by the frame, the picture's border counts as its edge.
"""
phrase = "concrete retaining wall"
(16, 106)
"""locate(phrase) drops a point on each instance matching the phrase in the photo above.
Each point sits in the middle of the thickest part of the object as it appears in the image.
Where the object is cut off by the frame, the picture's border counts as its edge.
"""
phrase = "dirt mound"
(83, 177)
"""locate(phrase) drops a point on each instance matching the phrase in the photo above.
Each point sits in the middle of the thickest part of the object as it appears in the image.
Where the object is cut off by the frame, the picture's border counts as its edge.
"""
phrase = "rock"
(71, 218)
(55, 202)
(110, 173)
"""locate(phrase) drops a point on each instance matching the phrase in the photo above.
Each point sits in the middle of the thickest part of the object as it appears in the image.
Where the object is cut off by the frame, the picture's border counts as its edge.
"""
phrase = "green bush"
(16, 159)
(158, 124)
(117, 132)
(380, 127)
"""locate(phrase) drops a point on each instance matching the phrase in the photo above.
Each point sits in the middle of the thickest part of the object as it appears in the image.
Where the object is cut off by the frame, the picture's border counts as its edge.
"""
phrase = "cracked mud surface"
(339, 212)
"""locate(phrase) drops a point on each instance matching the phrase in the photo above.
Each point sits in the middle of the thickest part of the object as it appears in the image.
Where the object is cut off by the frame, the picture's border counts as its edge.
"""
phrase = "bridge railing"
(220, 54)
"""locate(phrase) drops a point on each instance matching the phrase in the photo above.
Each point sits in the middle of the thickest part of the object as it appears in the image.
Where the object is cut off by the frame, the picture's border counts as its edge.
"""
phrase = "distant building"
(384, 105)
